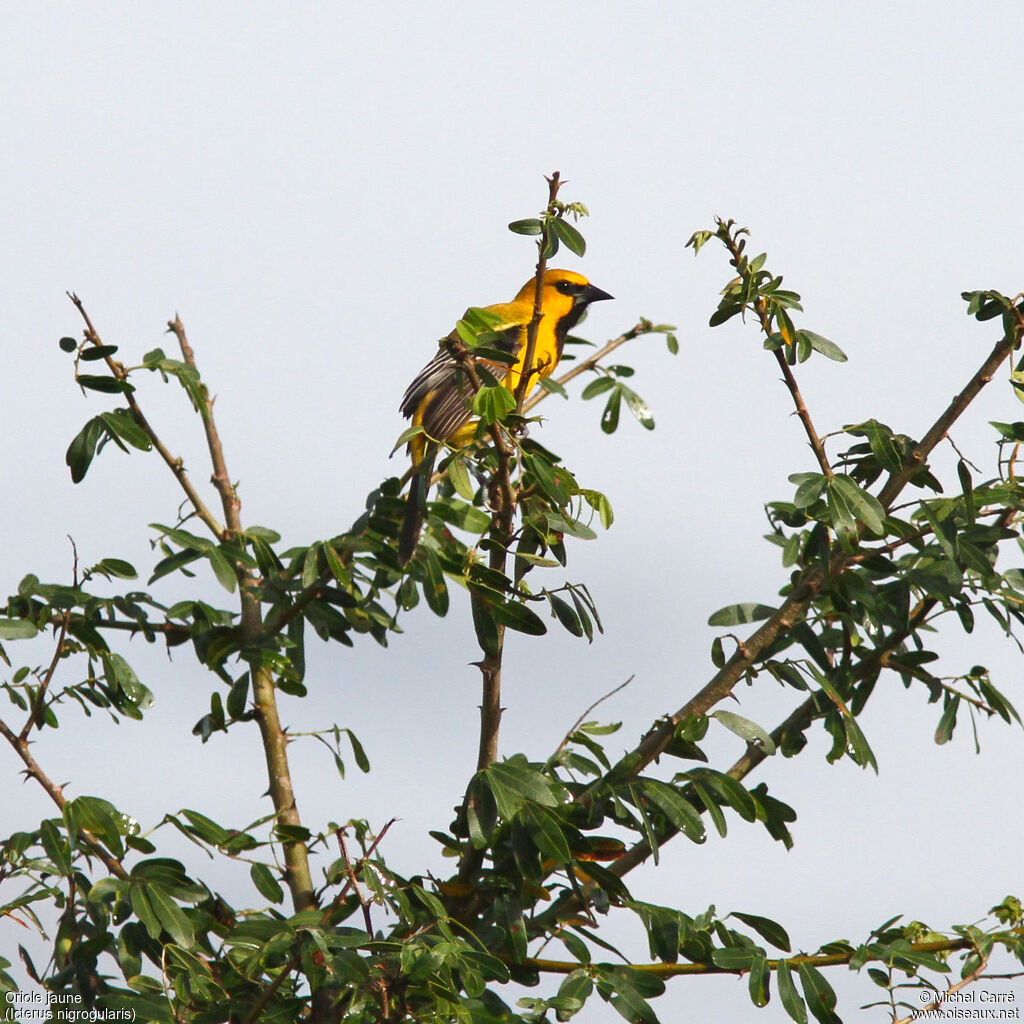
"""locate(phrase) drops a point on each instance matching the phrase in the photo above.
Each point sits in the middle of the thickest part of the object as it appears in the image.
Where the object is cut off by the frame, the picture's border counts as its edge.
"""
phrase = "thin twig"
(528, 369)
(363, 903)
(220, 479)
(174, 464)
(325, 920)
(588, 364)
(55, 793)
(579, 721)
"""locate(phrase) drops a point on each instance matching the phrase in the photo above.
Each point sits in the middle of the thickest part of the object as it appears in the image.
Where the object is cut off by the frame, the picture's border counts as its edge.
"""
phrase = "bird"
(439, 397)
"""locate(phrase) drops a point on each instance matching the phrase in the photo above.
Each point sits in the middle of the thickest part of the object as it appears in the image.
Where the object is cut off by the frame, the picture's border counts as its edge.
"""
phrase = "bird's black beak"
(593, 294)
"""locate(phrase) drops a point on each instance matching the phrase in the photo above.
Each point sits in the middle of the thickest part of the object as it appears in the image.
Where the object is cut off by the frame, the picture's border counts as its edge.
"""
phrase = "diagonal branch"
(55, 793)
(173, 463)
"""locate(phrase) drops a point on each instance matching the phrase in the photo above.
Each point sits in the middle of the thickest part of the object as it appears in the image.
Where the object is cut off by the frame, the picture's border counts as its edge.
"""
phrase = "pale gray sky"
(321, 189)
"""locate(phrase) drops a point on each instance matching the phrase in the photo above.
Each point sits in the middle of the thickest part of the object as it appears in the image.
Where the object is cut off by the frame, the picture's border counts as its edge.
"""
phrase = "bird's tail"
(416, 505)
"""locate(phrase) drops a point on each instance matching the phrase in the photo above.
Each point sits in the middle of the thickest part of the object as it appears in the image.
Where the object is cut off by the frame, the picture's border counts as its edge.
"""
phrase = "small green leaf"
(104, 384)
(767, 928)
(827, 348)
(679, 811)
(638, 407)
(809, 488)
(610, 416)
(459, 476)
(265, 882)
(121, 424)
(947, 723)
(171, 916)
(820, 996)
(82, 449)
(116, 567)
(745, 729)
(596, 387)
(572, 239)
(863, 506)
(758, 984)
(565, 614)
(89, 355)
(529, 226)
(68, 344)
(17, 629)
(222, 569)
(736, 614)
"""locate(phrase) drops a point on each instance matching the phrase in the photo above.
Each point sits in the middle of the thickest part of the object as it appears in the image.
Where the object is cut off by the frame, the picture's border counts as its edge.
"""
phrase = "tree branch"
(174, 464)
(275, 743)
(55, 793)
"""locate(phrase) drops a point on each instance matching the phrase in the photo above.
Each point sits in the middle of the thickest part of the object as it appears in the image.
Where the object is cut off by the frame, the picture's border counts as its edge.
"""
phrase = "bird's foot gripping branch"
(309, 922)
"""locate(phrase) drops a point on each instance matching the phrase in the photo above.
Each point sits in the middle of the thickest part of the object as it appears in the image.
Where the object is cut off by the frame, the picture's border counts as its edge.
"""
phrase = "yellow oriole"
(439, 398)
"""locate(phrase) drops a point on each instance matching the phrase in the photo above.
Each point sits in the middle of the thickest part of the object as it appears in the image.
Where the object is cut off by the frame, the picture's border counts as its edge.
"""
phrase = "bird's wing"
(439, 396)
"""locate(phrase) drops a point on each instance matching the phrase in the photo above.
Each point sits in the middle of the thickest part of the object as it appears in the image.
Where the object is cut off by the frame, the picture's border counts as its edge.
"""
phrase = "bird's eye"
(565, 287)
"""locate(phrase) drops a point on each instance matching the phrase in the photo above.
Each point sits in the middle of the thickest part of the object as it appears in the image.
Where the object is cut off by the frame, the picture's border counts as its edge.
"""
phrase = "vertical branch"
(173, 463)
(763, 315)
(527, 371)
(504, 517)
(275, 743)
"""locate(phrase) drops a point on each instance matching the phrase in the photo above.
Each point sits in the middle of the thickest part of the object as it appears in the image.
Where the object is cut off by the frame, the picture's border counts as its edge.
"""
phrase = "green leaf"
(529, 226)
(509, 916)
(265, 882)
(459, 476)
(679, 811)
(435, 589)
(95, 352)
(947, 723)
(713, 809)
(638, 407)
(842, 518)
(487, 635)
(546, 833)
(863, 506)
(882, 445)
(518, 617)
(171, 916)
(493, 403)
(736, 958)
(104, 384)
(821, 999)
(610, 416)
(82, 449)
(827, 348)
(572, 239)
(857, 744)
(745, 729)
(809, 488)
(515, 782)
(357, 751)
(56, 847)
(791, 1001)
(121, 423)
(68, 344)
(758, 985)
(116, 567)
(565, 614)
(735, 614)
(17, 629)
(481, 811)
(768, 929)
(222, 569)
(597, 387)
